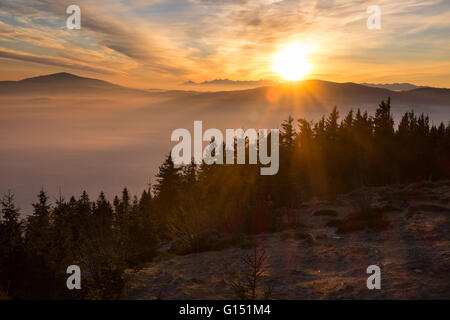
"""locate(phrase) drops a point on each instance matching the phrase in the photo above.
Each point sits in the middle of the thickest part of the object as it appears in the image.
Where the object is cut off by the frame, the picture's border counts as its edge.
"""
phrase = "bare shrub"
(191, 226)
(254, 264)
(363, 203)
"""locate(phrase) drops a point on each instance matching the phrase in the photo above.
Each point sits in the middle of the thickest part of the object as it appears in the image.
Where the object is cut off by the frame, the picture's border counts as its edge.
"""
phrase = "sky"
(166, 43)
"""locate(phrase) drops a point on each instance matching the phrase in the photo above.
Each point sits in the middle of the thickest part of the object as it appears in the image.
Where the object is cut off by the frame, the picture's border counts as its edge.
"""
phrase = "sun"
(291, 62)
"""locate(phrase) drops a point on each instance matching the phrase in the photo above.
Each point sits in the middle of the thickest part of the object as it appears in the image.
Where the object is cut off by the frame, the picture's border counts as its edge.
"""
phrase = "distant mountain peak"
(56, 76)
(64, 75)
(61, 82)
(394, 86)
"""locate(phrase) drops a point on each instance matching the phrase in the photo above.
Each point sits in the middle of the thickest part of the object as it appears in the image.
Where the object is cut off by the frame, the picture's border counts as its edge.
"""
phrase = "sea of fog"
(71, 144)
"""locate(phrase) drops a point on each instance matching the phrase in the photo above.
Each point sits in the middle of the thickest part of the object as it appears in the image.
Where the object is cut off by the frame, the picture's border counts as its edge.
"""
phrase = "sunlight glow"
(291, 62)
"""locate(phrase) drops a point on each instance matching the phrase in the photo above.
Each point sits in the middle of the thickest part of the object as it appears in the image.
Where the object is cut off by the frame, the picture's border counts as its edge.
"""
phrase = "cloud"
(53, 61)
(111, 32)
(177, 40)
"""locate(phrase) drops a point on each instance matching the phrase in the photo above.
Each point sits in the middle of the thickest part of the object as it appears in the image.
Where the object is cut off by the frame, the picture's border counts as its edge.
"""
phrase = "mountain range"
(394, 86)
(306, 93)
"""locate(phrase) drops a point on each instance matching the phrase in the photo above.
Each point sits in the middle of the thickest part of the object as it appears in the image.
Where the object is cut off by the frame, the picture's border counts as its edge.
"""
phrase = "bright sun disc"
(292, 63)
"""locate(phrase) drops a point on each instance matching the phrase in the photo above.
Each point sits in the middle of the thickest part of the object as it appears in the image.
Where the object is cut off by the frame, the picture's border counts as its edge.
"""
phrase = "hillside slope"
(315, 261)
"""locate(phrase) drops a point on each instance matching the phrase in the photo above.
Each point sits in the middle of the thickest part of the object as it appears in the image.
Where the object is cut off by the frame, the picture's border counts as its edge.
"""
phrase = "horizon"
(239, 85)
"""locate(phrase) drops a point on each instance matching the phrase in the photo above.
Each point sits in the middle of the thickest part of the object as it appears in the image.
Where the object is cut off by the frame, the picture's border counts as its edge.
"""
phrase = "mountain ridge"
(60, 83)
(306, 92)
(404, 86)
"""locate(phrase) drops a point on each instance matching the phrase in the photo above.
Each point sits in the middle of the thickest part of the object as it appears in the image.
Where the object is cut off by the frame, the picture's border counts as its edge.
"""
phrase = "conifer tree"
(38, 235)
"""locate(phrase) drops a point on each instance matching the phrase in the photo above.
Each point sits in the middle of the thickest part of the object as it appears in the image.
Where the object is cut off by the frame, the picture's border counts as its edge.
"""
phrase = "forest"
(195, 206)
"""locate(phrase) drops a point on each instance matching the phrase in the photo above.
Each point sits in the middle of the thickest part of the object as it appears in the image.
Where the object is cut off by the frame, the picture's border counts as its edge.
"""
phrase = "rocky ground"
(326, 255)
